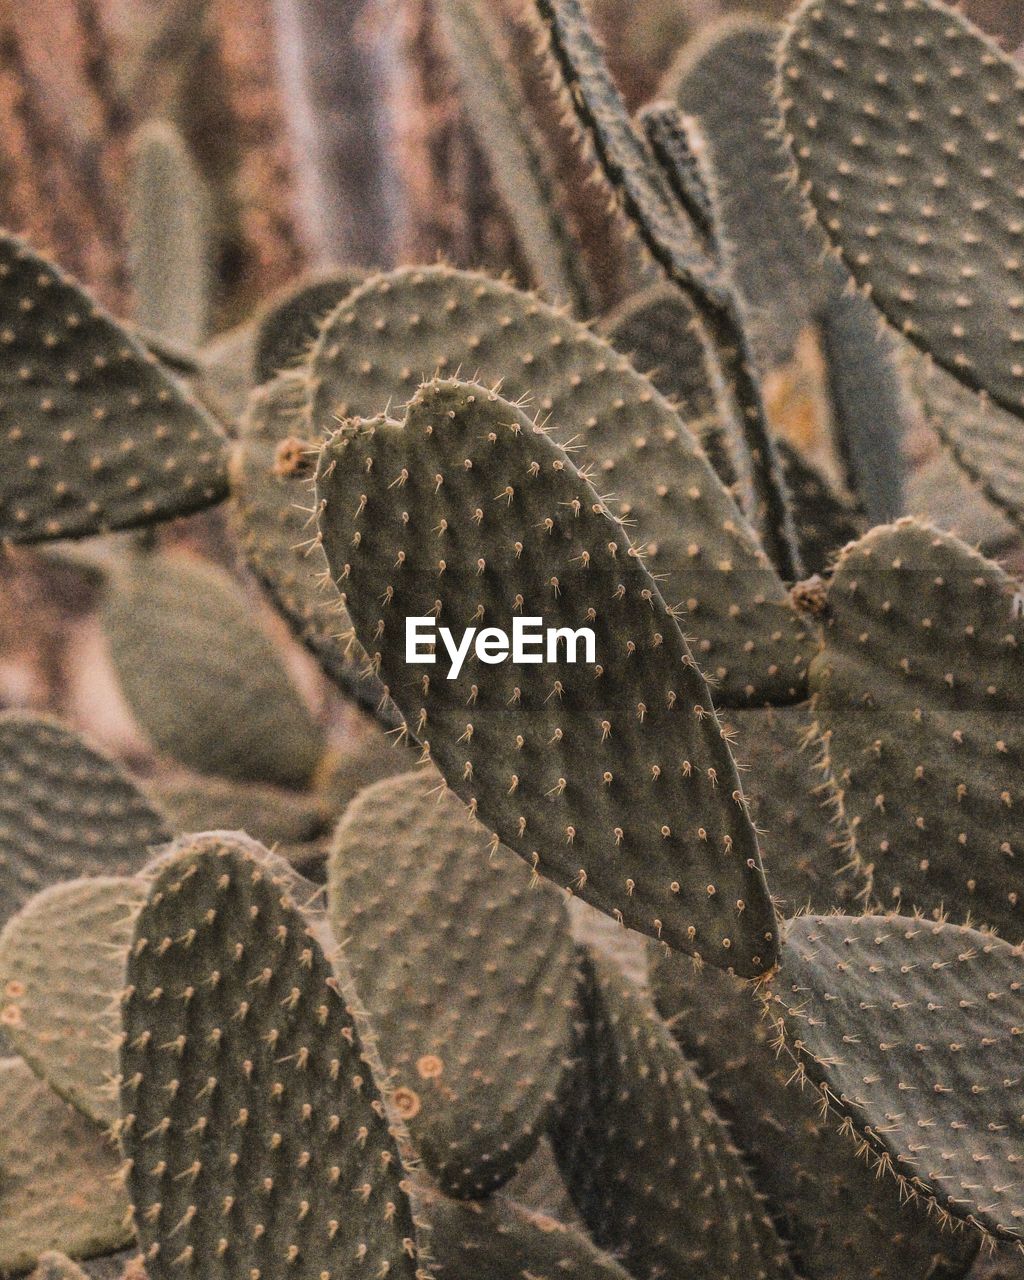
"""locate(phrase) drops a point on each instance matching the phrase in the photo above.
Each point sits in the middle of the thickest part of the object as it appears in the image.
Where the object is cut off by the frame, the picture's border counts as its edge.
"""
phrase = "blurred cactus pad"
(512, 640)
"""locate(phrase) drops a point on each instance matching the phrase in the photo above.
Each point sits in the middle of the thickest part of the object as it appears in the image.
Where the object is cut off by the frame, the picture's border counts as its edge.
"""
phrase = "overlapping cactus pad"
(911, 1030)
(612, 779)
(96, 435)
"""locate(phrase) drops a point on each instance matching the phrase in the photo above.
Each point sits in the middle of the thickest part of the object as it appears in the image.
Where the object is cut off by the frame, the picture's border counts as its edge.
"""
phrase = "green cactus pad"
(399, 328)
(498, 1239)
(660, 332)
(169, 246)
(271, 505)
(65, 811)
(288, 327)
(62, 962)
(611, 779)
(724, 78)
(59, 1184)
(911, 1029)
(500, 118)
(904, 122)
(96, 435)
(827, 1203)
(919, 696)
(652, 1169)
(202, 678)
(779, 768)
(256, 1137)
(467, 969)
(985, 441)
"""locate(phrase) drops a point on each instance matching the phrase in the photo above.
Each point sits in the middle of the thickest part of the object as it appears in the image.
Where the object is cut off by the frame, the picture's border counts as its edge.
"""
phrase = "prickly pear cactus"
(464, 506)
(474, 1024)
(67, 810)
(910, 1031)
(918, 695)
(256, 1136)
(97, 436)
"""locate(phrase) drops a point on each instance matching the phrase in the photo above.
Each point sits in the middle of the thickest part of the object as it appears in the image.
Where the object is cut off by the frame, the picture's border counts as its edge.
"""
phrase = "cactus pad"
(287, 328)
(270, 466)
(204, 681)
(827, 1203)
(65, 811)
(467, 970)
(498, 1239)
(256, 1137)
(400, 328)
(59, 1185)
(650, 1166)
(904, 122)
(612, 778)
(58, 1000)
(919, 695)
(96, 435)
(911, 1029)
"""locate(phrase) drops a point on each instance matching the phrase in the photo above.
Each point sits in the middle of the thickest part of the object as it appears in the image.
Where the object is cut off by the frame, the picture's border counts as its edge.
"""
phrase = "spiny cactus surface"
(177, 625)
(271, 506)
(919, 695)
(911, 1031)
(497, 1239)
(256, 1136)
(468, 968)
(400, 328)
(96, 435)
(59, 1185)
(613, 779)
(61, 959)
(649, 1164)
(828, 1204)
(65, 811)
(288, 327)
(904, 122)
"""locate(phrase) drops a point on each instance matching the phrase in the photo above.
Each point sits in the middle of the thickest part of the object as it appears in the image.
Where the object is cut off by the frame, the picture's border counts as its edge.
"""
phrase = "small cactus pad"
(62, 961)
(911, 1030)
(467, 969)
(660, 332)
(724, 79)
(905, 124)
(500, 118)
(65, 811)
(827, 1203)
(203, 679)
(649, 1164)
(781, 776)
(287, 328)
(271, 464)
(498, 1239)
(168, 245)
(611, 777)
(59, 1185)
(400, 328)
(985, 441)
(919, 696)
(96, 435)
(257, 1140)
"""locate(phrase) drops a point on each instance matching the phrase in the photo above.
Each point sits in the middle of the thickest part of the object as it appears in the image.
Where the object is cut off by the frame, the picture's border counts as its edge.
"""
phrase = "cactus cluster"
(697, 954)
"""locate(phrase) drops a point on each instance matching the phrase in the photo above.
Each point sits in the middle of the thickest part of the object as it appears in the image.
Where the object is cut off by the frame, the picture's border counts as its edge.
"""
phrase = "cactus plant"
(541, 1009)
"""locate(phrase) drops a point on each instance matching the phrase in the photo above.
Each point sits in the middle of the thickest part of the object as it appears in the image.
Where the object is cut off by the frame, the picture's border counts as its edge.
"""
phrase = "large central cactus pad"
(612, 778)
